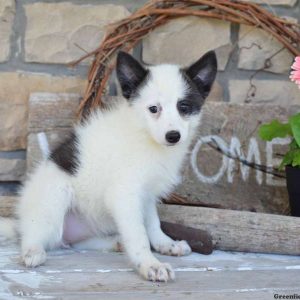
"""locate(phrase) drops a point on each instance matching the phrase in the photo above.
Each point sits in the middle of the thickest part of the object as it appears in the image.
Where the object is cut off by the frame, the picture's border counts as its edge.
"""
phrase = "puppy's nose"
(173, 136)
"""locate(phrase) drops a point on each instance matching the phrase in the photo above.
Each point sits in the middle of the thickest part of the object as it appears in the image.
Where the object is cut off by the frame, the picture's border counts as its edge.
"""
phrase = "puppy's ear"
(203, 72)
(130, 73)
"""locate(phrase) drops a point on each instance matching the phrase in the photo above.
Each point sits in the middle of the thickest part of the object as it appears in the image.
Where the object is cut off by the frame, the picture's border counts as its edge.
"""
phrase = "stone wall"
(39, 37)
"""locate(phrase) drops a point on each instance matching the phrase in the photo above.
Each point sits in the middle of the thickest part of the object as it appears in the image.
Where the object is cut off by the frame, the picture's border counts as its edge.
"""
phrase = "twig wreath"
(125, 34)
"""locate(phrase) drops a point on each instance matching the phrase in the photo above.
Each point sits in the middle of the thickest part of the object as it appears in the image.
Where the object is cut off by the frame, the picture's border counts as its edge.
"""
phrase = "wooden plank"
(239, 230)
(70, 274)
(209, 177)
(7, 206)
(12, 169)
(49, 111)
(127, 284)
(214, 179)
(51, 118)
(37, 142)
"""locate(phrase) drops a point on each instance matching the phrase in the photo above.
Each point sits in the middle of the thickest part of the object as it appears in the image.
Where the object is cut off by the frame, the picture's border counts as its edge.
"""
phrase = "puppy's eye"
(184, 107)
(153, 109)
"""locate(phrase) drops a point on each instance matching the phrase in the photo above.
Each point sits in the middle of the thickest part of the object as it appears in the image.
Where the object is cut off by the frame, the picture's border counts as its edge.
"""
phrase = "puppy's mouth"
(172, 144)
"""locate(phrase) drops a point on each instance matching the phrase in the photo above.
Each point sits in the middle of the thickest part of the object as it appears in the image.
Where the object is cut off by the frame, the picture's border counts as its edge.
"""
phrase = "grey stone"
(259, 49)
(63, 32)
(277, 92)
(290, 3)
(184, 40)
(216, 93)
(7, 14)
(15, 88)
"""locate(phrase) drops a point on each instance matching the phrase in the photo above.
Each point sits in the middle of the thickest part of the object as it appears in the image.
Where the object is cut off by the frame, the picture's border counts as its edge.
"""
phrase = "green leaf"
(275, 129)
(294, 121)
(287, 160)
(293, 145)
(291, 158)
(296, 158)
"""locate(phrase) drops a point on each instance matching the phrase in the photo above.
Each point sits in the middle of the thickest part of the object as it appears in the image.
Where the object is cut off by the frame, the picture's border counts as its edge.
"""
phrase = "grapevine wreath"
(125, 34)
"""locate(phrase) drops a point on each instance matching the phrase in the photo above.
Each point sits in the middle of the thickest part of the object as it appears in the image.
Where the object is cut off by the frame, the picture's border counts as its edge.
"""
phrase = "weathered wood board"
(210, 178)
(70, 274)
(239, 230)
(12, 169)
(50, 119)
(7, 206)
(218, 180)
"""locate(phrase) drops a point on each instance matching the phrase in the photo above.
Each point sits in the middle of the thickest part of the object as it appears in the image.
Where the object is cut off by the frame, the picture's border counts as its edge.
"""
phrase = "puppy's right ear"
(130, 73)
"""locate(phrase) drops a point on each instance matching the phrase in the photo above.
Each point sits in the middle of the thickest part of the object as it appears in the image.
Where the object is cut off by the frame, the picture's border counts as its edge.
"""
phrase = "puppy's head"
(167, 98)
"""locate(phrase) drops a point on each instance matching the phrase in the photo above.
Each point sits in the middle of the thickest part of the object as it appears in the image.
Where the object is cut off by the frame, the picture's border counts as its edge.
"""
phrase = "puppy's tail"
(8, 228)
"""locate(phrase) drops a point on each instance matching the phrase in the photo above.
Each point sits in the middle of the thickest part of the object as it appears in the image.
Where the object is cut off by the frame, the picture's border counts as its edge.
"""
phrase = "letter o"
(204, 140)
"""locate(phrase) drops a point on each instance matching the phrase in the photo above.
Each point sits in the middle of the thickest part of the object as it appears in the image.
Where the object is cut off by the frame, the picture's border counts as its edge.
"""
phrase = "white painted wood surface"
(70, 274)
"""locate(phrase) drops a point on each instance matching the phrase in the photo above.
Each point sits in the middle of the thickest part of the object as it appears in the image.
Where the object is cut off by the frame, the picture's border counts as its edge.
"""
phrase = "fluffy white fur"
(125, 167)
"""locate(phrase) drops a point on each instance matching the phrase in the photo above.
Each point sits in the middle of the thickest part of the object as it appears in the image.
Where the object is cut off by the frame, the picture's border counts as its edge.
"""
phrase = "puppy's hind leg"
(44, 202)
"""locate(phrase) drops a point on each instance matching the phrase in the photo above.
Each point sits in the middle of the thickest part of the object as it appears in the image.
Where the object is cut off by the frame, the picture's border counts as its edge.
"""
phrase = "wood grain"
(70, 274)
(7, 206)
(239, 230)
(49, 111)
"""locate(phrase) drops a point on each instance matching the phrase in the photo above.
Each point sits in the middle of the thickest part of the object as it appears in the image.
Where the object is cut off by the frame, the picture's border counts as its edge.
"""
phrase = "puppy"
(99, 189)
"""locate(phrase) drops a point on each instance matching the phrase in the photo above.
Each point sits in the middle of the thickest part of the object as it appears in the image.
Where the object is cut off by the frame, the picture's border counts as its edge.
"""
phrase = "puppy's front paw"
(34, 257)
(175, 248)
(157, 272)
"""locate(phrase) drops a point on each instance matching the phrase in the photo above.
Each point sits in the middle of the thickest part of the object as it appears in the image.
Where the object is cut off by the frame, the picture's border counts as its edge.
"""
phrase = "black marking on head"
(130, 74)
(203, 72)
(66, 155)
(193, 99)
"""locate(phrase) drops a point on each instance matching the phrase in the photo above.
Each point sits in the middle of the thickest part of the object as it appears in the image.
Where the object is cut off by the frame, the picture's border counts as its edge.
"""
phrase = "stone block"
(7, 14)
(63, 32)
(15, 89)
(184, 40)
(289, 3)
(275, 92)
(257, 47)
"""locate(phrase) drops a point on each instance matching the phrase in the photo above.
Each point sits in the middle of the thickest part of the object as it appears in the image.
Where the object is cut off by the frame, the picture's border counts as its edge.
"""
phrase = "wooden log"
(239, 230)
(199, 240)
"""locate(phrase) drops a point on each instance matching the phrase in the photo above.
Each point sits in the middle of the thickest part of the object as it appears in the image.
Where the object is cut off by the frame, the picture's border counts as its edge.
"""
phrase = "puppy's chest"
(162, 179)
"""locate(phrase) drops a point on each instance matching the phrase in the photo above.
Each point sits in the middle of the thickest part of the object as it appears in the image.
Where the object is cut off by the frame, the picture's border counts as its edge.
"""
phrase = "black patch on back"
(66, 155)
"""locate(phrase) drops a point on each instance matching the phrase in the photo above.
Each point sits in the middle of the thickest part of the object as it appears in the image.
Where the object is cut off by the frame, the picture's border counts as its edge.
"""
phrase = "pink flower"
(295, 74)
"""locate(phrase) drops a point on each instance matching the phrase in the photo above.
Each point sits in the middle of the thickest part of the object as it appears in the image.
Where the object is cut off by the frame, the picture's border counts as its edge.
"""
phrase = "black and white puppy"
(99, 189)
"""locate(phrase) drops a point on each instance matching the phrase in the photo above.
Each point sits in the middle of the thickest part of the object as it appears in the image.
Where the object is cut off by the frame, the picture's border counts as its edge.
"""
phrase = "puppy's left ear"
(203, 72)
